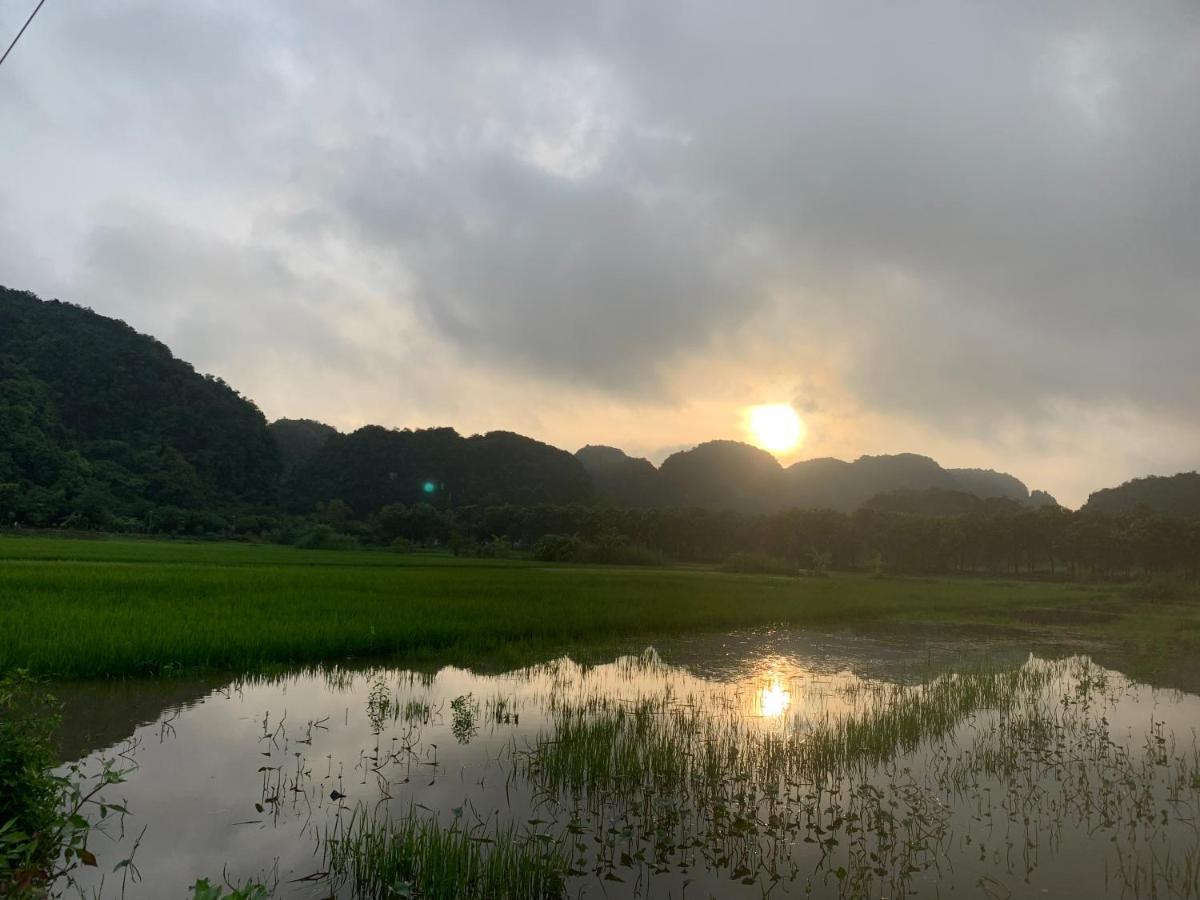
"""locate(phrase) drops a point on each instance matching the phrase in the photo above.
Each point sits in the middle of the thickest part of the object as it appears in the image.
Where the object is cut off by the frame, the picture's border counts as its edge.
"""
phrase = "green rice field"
(87, 608)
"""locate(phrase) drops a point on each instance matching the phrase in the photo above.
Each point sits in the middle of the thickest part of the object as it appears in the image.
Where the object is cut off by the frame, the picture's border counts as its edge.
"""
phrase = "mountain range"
(734, 475)
(98, 421)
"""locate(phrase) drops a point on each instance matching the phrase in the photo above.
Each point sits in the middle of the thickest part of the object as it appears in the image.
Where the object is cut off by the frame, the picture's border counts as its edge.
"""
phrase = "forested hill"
(100, 423)
(101, 427)
(375, 467)
(733, 475)
(299, 440)
(1174, 495)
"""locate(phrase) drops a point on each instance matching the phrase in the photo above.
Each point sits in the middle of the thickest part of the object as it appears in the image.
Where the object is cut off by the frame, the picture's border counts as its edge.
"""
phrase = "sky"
(967, 229)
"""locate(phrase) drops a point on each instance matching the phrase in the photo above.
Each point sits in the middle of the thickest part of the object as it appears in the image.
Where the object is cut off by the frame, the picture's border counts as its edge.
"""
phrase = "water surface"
(250, 778)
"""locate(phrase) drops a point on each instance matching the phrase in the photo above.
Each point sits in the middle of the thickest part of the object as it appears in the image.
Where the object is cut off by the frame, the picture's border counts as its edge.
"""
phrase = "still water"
(750, 764)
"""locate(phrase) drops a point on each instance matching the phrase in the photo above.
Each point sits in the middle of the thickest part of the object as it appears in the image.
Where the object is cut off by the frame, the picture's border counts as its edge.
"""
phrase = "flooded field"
(745, 765)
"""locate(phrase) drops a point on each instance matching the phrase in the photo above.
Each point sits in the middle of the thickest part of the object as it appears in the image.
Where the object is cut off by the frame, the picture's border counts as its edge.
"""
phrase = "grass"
(887, 788)
(382, 858)
(602, 747)
(71, 608)
(671, 784)
(902, 780)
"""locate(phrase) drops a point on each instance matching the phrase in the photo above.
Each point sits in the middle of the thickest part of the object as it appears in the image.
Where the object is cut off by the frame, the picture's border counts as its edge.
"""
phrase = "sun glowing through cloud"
(775, 427)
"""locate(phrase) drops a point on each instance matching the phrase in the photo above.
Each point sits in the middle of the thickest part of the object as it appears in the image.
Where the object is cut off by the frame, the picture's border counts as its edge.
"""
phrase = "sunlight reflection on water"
(773, 700)
(251, 776)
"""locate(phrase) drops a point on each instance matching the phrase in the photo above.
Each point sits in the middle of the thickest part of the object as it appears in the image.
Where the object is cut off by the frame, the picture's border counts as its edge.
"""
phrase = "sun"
(775, 427)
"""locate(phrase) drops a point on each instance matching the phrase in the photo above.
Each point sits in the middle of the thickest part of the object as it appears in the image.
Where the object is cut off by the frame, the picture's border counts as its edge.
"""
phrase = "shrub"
(462, 545)
(558, 548)
(1162, 587)
(624, 555)
(608, 549)
(126, 525)
(496, 548)
(29, 794)
(819, 562)
(288, 531)
(255, 524)
(44, 830)
(758, 564)
(323, 537)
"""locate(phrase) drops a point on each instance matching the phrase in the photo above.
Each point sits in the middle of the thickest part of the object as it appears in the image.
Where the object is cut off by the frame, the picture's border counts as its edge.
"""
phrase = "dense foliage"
(375, 467)
(1177, 495)
(1050, 540)
(939, 502)
(102, 426)
(29, 793)
(620, 479)
(722, 475)
(47, 818)
(986, 483)
(299, 440)
(896, 534)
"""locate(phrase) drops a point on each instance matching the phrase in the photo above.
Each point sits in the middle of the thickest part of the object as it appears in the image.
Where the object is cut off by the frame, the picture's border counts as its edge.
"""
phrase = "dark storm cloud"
(995, 204)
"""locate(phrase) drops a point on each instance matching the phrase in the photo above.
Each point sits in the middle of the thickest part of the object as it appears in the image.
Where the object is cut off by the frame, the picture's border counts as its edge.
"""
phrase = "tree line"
(1047, 542)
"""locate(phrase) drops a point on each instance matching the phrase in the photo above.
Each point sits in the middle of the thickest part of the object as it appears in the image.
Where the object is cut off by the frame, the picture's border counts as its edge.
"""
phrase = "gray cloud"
(995, 205)
(210, 297)
(578, 280)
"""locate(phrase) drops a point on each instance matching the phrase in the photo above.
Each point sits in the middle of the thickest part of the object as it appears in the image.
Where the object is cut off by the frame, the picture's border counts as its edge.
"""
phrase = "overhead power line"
(21, 32)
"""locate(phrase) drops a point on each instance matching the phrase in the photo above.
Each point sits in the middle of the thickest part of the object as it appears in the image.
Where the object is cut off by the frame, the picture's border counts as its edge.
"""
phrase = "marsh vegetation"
(750, 764)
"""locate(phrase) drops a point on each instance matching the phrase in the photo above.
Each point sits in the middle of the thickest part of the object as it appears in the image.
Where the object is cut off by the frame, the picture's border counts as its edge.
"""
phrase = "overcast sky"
(968, 229)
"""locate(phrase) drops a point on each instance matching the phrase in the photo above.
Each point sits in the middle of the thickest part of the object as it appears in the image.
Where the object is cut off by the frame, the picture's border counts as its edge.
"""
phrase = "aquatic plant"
(205, 890)
(465, 712)
(667, 783)
(381, 858)
(646, 780)
(1054, 766)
